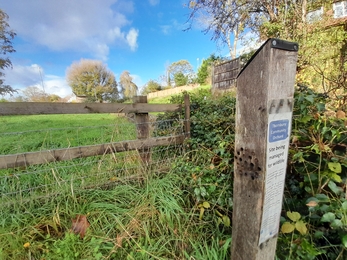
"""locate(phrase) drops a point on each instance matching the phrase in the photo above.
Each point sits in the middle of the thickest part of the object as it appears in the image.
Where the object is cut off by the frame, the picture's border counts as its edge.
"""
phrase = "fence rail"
(42, 157)
(143, 144)
(38, 108)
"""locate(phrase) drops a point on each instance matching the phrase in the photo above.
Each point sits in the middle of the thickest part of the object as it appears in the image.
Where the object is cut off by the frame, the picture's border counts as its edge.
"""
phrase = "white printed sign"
(276, 163)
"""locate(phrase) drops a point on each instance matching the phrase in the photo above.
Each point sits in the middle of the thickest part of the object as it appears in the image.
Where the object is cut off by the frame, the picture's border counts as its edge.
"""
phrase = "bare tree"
(35, 94)
(228, 18)
(224, 26)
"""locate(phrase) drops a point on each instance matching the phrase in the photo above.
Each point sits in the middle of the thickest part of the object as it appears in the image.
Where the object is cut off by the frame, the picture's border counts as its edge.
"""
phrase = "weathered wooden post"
(265, 89)
(142, 129)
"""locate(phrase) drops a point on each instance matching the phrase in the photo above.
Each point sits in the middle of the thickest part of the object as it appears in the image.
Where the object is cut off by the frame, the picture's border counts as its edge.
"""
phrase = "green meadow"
(134, 212)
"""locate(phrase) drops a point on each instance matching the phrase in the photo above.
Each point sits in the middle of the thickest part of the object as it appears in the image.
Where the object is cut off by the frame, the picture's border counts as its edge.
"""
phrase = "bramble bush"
(316, 182)
(314, 218)
(206, 167)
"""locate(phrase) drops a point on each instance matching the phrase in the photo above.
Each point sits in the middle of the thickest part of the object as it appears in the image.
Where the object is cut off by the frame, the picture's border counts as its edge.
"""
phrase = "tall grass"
(139, 212)
(147, 219)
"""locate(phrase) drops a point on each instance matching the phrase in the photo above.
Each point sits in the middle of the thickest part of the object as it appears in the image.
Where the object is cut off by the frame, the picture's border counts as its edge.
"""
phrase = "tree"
(204, 71)
(127, 84)
(311, 23)
(323, 44)
(151, 86)
(234, 17)
(180, 79)
(182, 67)
(54, 98)
(216, 16)
(6, 37)
(91, 78)
(35, 94)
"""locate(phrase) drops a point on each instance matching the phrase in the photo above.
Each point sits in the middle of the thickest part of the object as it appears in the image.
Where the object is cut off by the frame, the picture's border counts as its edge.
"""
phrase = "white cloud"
(57, 85)
(79, 25)
(154, 2)
(21, 77)
(132, 38)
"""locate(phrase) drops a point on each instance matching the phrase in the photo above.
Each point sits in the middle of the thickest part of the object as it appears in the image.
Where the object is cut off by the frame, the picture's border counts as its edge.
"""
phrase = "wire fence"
(21, 185)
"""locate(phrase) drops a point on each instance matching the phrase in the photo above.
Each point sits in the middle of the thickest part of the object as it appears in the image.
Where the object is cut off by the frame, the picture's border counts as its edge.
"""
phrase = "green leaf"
(320, 106)
(344, 205)
(337, 223)
(335, 177)
(206, 205)
(322, 197)
(305, 119)
(197, 191)
(325, 129)
(328, 217)
(287, 227)
(335, 167)
(301, 227)
(332, 185)
(226, 221)
(309, 250)
(310, 98)
(325, 208)
(344, 240)
(318, 234)
(294, 216)
(316, 148)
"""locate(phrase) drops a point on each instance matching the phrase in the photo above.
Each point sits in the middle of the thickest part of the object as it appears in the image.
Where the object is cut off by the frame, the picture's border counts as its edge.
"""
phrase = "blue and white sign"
(278, 130)
(279, 127)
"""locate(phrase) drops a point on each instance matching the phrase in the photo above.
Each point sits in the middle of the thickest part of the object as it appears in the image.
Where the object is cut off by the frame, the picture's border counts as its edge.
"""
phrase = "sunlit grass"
(42, 132)
(166, 100)
(133, 220)
(135, 211)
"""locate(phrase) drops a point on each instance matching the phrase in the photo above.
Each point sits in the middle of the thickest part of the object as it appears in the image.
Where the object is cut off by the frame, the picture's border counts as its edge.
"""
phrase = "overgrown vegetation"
(184, 211)
(314, 219)
(316, 182)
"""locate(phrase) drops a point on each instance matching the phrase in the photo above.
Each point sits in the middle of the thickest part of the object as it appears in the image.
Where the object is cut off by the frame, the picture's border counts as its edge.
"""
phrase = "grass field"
(166, 100)
(139, 212)
(41, 132)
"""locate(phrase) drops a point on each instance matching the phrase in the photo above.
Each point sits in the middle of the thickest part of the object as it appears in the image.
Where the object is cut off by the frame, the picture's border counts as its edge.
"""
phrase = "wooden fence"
(140, 108)
(224, 74)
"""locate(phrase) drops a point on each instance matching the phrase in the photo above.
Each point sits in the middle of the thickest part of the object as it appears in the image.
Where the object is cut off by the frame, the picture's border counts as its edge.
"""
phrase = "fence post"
(186, 116)
(142, 129)
(265, 89)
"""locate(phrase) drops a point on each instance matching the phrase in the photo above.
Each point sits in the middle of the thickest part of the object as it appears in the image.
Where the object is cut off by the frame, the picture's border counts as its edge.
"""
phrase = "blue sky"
(140, 36)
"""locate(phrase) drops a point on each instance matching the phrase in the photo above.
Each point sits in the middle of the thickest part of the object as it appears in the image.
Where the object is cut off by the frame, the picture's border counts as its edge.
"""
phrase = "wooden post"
(265, 89)
(186, 116)
(142, 129)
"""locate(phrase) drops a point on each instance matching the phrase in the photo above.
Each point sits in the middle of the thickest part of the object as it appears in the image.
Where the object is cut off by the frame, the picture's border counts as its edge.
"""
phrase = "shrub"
(314, 219)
